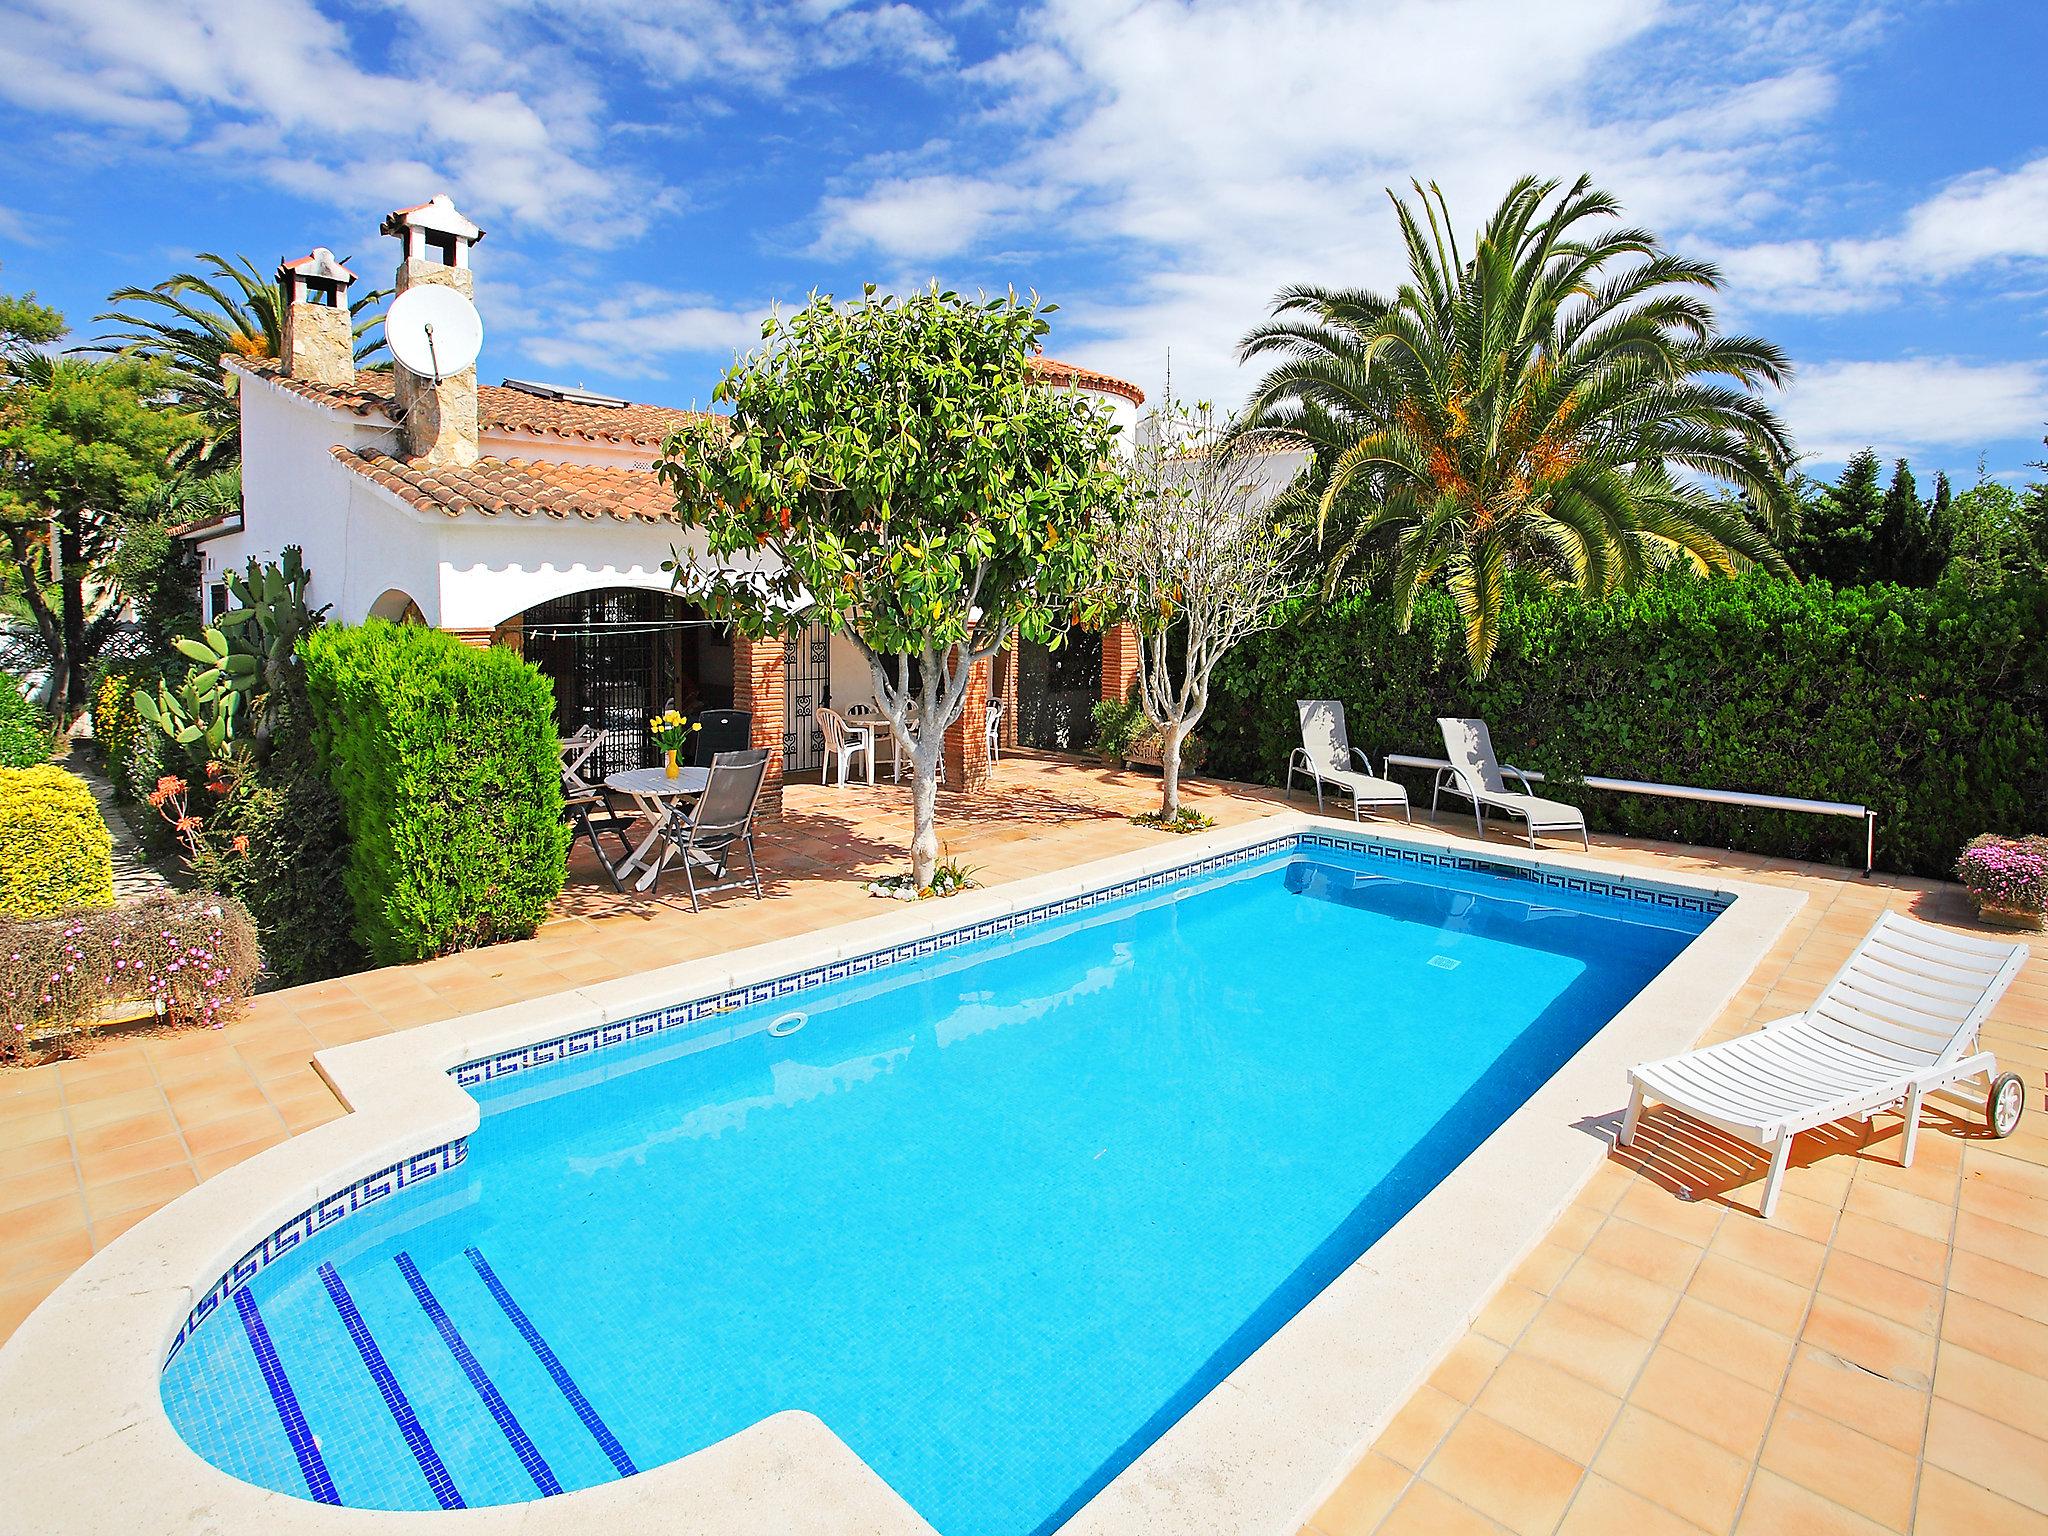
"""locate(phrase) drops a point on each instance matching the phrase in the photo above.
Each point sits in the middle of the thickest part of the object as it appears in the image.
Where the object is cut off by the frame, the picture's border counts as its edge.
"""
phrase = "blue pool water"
(998, 1217)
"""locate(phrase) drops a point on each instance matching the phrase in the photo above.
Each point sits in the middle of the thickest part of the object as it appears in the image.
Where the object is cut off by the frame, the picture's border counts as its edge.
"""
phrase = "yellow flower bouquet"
(671, 730)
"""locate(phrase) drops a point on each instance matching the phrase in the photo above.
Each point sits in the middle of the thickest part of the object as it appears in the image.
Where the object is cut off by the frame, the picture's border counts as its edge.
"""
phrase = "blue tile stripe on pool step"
(494, 1402)
(319, 1483)
(559, 1373)
(408, 1422)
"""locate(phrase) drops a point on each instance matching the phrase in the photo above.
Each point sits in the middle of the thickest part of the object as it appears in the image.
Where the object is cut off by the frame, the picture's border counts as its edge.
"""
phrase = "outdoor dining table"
(650, 790)
(868, 718)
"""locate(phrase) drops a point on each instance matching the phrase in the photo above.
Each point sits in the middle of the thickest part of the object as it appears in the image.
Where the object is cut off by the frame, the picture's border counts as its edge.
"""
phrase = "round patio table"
(650, 790)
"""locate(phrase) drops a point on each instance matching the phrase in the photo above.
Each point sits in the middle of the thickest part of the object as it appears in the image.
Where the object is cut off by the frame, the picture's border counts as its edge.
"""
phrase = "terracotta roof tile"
(1074, 376)
(521, 487)
(498, 408)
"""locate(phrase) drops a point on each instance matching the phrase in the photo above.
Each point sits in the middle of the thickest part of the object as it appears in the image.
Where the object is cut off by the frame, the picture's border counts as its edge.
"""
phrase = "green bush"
(55, 850)
(26, 733)
(116, 725)
(444, 757)
(1931, 707)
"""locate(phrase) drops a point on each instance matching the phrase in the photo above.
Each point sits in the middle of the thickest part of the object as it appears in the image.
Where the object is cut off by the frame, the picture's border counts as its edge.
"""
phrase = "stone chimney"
(318, 342)
(438, 420)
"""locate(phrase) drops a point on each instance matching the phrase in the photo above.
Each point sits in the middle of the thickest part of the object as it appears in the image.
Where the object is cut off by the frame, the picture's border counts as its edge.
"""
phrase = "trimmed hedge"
(26, 733)
(55, 850)
(1931, 706)
(445, 758)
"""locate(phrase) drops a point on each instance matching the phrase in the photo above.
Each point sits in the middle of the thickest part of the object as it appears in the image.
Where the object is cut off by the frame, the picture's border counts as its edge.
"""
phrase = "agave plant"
(193, 322)
(1560, 403)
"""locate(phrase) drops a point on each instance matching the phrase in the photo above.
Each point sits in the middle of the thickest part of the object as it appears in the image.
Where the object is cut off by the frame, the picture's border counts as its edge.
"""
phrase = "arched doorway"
(618, 654)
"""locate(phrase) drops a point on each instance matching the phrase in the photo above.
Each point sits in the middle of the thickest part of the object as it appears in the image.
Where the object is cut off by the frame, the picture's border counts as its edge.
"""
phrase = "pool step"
(429, 1383)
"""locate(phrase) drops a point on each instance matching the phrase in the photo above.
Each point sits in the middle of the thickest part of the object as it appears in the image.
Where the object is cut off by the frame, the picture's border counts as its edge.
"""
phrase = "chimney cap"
(436, 213)
(319, 264)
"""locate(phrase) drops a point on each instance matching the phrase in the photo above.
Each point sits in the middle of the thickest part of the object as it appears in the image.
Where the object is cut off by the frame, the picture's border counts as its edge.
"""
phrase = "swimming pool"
(997, 1213)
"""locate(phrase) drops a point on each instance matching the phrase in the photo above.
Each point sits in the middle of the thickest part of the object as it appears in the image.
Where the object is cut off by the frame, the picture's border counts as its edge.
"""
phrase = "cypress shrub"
(445, 760)
(55, 850)
(1929, 706)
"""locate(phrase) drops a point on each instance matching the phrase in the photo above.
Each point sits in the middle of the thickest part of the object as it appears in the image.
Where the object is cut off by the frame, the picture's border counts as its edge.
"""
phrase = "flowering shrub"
(2006, 871)
(192, 956)
(55, 852)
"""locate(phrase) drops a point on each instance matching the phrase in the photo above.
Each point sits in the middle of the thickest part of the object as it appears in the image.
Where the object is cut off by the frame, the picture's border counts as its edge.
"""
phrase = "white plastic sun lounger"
(1327, 757)
(1475, 775)
(1898, 1021)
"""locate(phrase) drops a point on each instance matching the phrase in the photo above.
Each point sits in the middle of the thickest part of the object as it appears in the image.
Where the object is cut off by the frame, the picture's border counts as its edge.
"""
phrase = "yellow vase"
(668, 763)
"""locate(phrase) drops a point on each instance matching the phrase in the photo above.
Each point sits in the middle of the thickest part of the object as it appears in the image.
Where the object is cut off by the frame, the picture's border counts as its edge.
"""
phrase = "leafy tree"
(1197, 566)
(80, 442)
(157, 573)
(192, 322)
(891, 471)
(1558, 402)
(1997, 534)
(1840, 531)
(26, 324)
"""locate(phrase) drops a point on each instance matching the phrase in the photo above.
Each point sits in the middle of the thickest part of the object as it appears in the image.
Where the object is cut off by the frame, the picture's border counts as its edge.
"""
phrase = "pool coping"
(1258, 1453)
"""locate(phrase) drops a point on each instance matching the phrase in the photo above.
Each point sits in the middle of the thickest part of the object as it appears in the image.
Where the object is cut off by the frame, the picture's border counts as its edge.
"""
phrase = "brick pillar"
(1119, 662)
(967, 737)
(758, 675)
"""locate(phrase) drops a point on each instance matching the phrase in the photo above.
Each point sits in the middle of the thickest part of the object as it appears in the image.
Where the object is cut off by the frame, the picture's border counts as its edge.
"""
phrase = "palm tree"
(193, 321)
(1560, 404)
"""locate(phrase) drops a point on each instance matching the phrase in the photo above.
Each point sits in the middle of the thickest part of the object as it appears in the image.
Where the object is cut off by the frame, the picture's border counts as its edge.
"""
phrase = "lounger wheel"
(2004, 1105)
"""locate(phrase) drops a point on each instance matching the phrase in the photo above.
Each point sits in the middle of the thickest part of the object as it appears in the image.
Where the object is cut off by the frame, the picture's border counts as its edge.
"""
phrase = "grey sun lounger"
(1328, 758)
(1475, 774)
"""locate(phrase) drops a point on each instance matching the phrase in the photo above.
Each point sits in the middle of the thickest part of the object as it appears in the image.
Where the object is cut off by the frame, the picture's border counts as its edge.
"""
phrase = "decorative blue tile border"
(368, 1190)
(585, 1042)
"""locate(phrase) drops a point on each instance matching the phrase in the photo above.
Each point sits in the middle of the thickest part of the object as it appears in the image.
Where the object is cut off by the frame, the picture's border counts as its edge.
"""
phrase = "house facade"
(528, 515)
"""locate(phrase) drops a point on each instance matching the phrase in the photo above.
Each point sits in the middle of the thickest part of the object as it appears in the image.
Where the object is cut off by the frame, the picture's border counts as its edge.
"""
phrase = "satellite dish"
(433, 331)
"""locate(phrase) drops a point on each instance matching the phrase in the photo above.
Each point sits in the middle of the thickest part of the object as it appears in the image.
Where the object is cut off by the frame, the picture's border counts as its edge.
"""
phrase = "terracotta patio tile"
(1777, 1506)
(1605, 1509)
(1588, 1347)
(1709, 1402)
(1650, 1206)
(1989, 1454)
(1733, 1344)
(121, 1133)
(1886, 1410)
(1908, 1212)
(1362, 1499)
(1674, 1469)
(2019, 1341)
(1415, 1432)
(1426, 1510)
(1848, 1468)
(1504, 1475)
(1557, 1410)
(1644, 1251)
(1618, 1295)
(106, 1228)
(1954, 1506)
(1887, 1292)
(52, 1218)
(234, 1130)
(29, 1129)
(1875, 1343)
(2012, 1207)
(2002, 1285)
(1763, 1299)
(1465, 1369)
(204, 1101)
(147, 1190)
(125, 1162)
(207, 1164)
(1924, 1258)
(2009, 1245)
(37, 1185)
(1544, 1267)
(1504, 1317)
(90, 1113)
(1992, 1387)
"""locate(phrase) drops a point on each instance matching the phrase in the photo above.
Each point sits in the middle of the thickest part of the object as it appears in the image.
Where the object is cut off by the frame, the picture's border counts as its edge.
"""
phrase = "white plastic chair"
(1899, 1020)
(1327, 757)
(845, 742)
(1475, 775)
(995, 729)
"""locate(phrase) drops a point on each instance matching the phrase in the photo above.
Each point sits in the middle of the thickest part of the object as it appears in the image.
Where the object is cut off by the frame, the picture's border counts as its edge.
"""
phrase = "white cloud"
(1914, 405)
(1222, 150)
(1988, 221)
(626, 333)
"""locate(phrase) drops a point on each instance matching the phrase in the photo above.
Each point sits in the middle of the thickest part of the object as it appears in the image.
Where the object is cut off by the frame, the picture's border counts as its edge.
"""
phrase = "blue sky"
(1873, 177)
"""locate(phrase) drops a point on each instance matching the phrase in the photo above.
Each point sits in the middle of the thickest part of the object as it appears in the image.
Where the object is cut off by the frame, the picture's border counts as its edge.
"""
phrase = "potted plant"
(2007, 877)
(671, 733)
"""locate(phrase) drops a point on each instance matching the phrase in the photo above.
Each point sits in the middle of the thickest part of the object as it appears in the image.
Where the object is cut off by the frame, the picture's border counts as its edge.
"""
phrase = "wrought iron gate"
(618, 654)
(807, 687)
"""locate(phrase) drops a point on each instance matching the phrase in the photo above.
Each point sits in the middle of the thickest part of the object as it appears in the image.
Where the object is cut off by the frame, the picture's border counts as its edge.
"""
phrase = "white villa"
(528, 515)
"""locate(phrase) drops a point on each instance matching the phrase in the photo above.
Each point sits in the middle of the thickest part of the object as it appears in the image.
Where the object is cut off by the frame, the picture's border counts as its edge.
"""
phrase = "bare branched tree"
(1199, 564)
